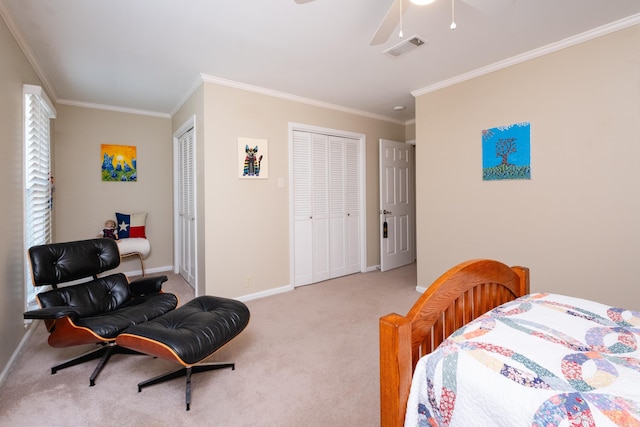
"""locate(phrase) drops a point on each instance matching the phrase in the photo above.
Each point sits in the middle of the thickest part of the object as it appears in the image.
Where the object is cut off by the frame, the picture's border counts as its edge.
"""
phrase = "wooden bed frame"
(463, 293)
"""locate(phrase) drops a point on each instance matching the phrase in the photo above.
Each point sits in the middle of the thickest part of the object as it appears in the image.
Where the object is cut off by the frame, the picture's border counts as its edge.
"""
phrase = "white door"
(302, 209)
(310, 163)
(326, 205)
(320, 210)
(396, 204)
(186, 208)
(352, 234)
(338, 213)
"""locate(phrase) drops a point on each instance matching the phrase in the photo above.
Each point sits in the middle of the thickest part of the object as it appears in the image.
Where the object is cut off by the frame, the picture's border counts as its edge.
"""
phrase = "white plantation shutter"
(37, 169)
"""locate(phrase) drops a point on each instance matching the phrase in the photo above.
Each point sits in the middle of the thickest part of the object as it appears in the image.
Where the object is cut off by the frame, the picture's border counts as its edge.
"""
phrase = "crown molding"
(113, 108)
(295, 98)
(544, 50)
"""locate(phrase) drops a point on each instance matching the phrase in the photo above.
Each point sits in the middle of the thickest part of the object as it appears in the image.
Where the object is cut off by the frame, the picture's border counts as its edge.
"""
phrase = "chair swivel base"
(104, 353)
(185, 371)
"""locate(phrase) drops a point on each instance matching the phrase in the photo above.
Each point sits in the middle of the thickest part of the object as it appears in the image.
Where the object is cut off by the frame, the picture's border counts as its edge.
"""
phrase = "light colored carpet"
(308, 357)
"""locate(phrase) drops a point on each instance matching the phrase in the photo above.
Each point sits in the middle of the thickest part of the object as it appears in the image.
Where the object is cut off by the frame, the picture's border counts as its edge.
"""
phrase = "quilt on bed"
(542, 360)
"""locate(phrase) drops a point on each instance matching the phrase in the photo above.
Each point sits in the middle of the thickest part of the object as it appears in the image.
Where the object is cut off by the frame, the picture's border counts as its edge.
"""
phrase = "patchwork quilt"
(543, 360)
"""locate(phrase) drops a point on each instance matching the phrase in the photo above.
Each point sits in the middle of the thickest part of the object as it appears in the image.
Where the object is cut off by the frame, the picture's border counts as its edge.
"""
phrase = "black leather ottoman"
(188, 335)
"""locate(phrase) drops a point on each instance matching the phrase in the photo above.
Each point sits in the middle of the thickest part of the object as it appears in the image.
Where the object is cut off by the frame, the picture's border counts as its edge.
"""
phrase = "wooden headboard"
(463, 293)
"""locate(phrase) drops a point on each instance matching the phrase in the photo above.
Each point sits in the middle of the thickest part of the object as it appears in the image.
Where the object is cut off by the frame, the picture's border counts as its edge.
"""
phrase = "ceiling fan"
(398, 7)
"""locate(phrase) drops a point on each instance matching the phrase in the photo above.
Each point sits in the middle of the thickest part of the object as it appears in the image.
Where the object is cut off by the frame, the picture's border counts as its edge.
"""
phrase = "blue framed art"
(506, 152)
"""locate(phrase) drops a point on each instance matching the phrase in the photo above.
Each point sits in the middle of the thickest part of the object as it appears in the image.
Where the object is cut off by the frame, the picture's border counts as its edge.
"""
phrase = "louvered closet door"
(345, 206)
(338, 206)
(320, 207)
(186, 209)
(352, 203)
(326, 200)
(310, 208)
(302, 210)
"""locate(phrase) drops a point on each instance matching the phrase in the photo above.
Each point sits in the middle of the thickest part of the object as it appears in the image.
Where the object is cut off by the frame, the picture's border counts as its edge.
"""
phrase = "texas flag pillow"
(131, 225)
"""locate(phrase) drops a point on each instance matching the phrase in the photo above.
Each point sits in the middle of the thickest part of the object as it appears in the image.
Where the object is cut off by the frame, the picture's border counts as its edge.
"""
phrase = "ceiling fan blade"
(303, 1)
(389, 23)
(490, 7)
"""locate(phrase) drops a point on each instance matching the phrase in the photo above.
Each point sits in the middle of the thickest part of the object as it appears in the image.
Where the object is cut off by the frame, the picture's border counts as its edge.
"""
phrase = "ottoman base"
(185, 371)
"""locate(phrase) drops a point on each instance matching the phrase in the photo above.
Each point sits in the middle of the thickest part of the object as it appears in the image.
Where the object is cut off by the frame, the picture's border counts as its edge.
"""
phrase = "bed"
(507, 357)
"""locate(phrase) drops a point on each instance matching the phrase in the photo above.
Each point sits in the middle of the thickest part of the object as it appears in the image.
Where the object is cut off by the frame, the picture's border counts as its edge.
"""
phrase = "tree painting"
(506, 152)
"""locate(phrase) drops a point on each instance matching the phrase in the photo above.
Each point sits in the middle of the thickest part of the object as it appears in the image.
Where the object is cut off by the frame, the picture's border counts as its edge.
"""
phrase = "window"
(38, 112)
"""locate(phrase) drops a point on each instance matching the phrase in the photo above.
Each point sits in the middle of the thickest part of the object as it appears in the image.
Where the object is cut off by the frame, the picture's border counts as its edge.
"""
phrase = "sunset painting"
(119, 163)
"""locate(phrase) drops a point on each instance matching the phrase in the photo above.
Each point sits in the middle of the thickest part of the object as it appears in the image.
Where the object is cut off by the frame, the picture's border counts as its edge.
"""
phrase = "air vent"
(405, 46)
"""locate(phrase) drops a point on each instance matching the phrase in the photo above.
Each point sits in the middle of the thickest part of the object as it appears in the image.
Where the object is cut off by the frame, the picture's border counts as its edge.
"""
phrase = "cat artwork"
(251, 162)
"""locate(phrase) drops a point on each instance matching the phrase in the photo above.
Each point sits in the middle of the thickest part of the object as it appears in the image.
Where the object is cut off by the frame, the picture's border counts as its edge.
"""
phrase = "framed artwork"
(253, 158)
(119, 163)
(506, 152)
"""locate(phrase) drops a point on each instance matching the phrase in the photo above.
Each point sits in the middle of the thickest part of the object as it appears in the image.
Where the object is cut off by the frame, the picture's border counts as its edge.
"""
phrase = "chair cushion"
(102, 295)
(63, 262)
(134, 245)
(197, 329)
(107, 306)
(138, 310)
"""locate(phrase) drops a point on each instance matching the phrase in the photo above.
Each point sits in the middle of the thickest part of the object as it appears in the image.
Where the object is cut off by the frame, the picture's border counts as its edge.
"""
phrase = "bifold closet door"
(353, 196)
(326, 200)
(310, 207)
(186, 208)
(344, 190)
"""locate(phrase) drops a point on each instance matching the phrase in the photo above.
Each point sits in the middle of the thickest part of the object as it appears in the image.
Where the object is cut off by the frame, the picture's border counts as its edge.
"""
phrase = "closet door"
(186, 208)
(310, 207)
(352, 203)
(320, 207)
(326, 206)
(302, 210)
(345, 205)
(338, 205)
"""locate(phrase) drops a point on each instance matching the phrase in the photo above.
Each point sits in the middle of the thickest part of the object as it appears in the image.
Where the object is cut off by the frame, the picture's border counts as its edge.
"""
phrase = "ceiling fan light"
(422, 2)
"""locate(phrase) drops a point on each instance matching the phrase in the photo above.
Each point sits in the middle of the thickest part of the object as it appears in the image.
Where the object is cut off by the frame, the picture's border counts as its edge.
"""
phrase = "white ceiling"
(147, 55)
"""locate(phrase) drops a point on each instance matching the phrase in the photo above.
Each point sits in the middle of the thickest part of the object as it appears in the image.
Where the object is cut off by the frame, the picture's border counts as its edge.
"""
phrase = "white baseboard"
(148, 271)
(266, 293)
(284, 289)
(30, 328)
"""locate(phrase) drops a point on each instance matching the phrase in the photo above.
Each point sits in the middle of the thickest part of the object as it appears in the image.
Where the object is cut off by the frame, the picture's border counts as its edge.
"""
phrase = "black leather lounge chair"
(98, 309)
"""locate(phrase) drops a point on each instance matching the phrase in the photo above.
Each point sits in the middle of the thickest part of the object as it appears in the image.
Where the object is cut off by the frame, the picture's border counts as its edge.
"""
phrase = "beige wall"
(246, 222)
(15, 71)
(575, 223)
(410, 131)
(83, 201)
